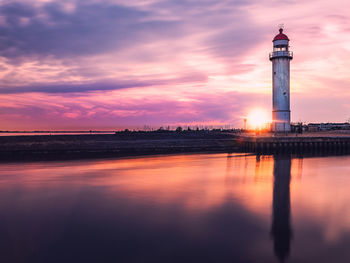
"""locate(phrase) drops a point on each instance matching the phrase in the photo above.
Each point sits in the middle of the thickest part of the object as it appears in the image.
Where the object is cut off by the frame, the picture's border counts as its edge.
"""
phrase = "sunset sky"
(112, 64)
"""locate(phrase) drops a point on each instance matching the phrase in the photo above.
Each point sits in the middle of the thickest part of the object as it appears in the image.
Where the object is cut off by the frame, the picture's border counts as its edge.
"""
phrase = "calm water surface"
(179, 208)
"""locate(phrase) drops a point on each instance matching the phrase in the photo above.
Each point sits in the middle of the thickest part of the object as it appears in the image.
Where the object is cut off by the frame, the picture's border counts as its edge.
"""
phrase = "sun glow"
(258, 119)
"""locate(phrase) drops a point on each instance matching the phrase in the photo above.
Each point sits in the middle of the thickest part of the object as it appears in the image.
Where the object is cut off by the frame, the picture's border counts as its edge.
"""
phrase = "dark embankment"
(61, 147)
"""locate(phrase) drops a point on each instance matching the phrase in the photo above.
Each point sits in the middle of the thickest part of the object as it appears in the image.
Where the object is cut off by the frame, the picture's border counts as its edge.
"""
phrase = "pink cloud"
(71, 115)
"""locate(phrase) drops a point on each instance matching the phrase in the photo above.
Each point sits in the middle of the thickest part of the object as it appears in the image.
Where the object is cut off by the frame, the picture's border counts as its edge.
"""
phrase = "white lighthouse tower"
(280, 58)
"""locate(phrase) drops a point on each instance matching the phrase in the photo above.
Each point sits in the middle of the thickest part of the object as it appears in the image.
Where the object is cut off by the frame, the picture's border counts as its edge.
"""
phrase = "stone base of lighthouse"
(281, 121)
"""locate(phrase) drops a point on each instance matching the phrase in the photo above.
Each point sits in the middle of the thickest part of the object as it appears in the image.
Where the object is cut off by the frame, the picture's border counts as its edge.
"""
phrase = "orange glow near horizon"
(258, 119)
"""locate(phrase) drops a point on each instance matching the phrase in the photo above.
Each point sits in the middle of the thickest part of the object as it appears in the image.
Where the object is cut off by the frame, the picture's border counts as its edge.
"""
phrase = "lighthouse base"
(281, 121)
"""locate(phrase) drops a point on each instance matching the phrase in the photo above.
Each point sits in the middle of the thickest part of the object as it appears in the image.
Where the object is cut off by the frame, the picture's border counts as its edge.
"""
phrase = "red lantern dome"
(281, 36)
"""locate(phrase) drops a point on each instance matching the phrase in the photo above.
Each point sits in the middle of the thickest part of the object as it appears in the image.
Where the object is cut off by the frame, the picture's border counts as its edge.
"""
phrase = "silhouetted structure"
(281, 230)
(280, 58)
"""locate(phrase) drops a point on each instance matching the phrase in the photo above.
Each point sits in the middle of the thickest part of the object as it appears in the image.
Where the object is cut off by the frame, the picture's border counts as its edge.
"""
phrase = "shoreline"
(73, 147)
(133, 144)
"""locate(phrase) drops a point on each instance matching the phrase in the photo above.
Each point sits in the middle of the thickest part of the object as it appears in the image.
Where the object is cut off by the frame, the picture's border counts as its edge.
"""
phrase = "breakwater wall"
(66, 147)
(294, 144)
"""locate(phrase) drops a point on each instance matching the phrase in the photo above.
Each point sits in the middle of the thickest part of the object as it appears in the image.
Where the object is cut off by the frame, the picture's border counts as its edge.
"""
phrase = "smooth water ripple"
(177, 208)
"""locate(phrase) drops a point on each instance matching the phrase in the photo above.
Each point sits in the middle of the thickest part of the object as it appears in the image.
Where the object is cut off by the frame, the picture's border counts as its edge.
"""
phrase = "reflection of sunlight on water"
(198, 182)
(319, 192)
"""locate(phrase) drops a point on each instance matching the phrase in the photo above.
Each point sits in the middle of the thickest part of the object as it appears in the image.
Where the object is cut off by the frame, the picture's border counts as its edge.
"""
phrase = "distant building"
(328, 126)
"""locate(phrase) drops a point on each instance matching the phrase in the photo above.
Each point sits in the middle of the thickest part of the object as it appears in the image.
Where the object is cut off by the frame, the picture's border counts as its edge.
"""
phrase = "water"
(179, 208)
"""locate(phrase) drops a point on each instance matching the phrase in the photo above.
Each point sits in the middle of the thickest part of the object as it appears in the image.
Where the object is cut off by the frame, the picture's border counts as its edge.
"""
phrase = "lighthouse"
(280, 58)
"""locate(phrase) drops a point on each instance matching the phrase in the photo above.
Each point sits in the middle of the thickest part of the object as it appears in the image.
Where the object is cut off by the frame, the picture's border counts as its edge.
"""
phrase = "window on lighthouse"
(280, 49)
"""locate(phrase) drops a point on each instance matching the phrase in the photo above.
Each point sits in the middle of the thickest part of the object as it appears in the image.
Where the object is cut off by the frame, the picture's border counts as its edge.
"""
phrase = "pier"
(317, 142)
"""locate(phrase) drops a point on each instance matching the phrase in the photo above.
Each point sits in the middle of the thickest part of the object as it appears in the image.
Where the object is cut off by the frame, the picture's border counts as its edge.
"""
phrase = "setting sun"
(258, 118)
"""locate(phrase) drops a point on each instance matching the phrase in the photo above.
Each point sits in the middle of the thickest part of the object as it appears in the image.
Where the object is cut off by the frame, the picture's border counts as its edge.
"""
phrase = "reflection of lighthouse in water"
(281, 230)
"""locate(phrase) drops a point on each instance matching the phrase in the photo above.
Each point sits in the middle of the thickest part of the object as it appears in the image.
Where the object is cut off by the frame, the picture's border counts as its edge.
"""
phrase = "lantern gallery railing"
(277, 54)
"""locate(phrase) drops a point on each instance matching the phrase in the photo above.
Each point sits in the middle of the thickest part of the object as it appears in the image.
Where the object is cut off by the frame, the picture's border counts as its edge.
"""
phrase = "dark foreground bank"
(46, 147)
